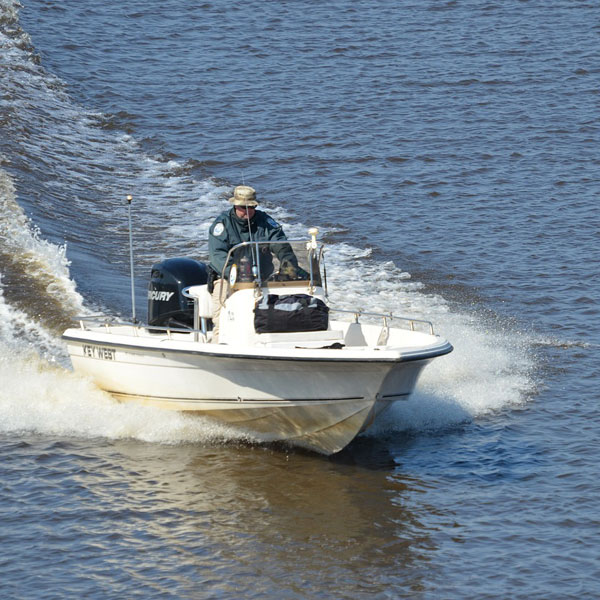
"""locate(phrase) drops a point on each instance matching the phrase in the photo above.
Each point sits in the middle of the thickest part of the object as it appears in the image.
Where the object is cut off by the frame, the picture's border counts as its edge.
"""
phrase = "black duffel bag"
(296, 312)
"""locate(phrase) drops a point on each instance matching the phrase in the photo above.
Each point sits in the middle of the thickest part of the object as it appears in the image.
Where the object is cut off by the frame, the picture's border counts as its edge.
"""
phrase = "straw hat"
(244, 195)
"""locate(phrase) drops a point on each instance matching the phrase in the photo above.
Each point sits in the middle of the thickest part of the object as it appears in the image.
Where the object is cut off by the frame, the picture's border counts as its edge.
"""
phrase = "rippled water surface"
(448, 151)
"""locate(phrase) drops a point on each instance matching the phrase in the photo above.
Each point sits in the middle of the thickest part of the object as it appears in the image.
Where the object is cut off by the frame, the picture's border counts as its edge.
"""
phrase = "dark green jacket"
(229, 230)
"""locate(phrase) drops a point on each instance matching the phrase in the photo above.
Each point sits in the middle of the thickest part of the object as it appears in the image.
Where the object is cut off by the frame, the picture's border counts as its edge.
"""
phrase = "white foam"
(488, 371)
(36, 397)
(40, 393)
(35, 257)
(20, 334)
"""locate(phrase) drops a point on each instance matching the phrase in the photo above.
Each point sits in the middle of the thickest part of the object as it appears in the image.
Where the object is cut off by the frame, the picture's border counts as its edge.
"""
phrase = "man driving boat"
(243, 223)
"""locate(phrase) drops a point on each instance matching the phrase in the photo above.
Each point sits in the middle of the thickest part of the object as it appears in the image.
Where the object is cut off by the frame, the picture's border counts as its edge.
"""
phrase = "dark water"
(448, 151)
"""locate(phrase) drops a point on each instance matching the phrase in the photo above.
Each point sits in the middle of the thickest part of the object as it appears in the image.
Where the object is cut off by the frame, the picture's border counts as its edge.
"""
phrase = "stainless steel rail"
(256, 244)
(385, 316)
(107, 322)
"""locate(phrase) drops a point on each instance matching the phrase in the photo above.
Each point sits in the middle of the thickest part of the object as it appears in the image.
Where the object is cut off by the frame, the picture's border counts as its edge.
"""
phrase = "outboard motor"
(167, 306)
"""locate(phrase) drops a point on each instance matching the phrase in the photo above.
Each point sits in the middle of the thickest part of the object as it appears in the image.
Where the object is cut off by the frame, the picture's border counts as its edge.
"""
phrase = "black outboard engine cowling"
(167, 306)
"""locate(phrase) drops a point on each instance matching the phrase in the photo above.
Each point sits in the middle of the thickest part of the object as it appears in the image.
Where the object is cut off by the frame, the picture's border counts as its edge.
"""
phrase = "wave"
(36, 269)
(70, 256)
(44, 398)
(488, 372)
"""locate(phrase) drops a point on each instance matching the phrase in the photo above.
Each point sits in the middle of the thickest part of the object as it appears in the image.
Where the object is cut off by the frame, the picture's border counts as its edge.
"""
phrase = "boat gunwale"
(413, 355)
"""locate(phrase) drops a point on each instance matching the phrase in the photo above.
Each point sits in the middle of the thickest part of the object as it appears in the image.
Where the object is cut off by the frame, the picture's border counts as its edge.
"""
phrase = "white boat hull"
(318, 399)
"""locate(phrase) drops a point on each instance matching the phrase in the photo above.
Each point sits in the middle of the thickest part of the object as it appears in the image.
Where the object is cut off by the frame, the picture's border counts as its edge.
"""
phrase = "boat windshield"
(274, 262)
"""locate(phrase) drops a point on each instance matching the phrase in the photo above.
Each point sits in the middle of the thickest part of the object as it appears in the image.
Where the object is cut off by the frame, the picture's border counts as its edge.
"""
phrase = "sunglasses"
(245, 207)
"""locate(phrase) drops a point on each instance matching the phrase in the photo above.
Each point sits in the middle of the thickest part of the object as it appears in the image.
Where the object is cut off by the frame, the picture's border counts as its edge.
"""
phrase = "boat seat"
(300, 337)
(202, 296)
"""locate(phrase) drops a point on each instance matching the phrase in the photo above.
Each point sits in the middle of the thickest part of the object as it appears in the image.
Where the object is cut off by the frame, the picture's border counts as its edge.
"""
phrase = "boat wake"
(56, 402)
(489, 371)
(67, 163)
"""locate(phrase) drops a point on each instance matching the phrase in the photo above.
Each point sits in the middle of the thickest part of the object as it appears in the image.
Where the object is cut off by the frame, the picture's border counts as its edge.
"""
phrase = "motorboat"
(286, 365)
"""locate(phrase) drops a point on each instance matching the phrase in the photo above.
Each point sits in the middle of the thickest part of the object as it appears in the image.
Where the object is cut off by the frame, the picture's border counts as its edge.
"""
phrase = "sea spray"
(36, 272)
(78, 168)
(41, 394)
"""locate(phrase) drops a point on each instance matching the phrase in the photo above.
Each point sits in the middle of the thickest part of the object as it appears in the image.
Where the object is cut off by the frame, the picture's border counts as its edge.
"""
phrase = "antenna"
(129, 199)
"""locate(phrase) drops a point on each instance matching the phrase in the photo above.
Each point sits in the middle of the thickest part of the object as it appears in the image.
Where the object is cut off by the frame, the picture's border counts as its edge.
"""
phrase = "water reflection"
(296, 521)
